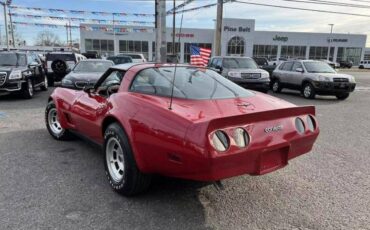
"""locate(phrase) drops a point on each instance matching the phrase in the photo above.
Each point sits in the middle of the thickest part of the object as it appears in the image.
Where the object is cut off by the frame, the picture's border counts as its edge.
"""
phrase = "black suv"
(21, 72)
(59, 64)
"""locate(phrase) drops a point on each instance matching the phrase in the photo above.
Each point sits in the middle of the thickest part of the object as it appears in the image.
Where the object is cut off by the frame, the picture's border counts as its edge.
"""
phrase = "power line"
(182, 5)
(330, 3)
(304, 9)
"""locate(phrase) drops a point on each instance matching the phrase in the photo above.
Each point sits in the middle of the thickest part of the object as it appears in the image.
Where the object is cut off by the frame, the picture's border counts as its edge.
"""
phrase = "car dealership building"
(239, 38)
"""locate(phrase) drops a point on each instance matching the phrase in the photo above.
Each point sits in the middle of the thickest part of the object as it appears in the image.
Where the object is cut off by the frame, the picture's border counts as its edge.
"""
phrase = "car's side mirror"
(218, 69)
(300, 70)
(88, 89)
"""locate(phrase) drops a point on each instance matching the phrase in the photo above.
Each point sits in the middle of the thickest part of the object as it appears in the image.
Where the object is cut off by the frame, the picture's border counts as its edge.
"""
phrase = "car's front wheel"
(27, 91)
(342, 96)
(276, 86)
(53, 124)
(120, 165)
(308, 91)
(45, 85)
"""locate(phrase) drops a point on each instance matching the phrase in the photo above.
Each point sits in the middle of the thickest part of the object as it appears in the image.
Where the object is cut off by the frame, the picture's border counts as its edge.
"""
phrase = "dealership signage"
(237, 29)
(183, 35)
(338, 40)
(280, 38)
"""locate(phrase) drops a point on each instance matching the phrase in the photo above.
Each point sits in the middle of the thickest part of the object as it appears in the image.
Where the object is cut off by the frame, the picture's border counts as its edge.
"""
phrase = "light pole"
(330, 38)
(5, 4)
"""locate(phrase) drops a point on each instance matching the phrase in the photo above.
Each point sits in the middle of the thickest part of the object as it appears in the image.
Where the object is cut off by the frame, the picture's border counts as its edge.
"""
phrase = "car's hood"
(206, 110)
(90, 77)
(335, 75)
(11, 68)
(248, 70)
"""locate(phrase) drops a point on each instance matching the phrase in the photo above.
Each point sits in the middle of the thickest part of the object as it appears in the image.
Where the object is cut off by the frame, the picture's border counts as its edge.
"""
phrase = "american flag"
(199, 56)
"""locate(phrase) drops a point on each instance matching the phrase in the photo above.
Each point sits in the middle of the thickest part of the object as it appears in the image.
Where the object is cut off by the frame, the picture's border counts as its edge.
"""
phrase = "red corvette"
(211, 130)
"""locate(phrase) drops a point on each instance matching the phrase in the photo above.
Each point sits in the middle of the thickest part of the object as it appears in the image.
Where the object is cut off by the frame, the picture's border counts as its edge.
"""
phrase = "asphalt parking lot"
(46, 184)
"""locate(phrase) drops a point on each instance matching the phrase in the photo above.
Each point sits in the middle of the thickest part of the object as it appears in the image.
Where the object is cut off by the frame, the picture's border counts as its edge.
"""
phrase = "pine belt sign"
(237, 29)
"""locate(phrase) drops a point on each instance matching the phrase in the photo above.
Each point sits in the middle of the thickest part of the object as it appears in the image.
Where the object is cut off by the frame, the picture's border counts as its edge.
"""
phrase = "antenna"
(177, 58)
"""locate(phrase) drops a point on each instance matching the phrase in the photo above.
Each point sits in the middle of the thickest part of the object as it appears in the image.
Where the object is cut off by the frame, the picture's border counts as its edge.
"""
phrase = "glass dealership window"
(267, 51)
(349, 54)
(187, 52)
(129, 46)
(103, 47)
(236, 46)
(293, 52)
(169, 48)
(318, 52)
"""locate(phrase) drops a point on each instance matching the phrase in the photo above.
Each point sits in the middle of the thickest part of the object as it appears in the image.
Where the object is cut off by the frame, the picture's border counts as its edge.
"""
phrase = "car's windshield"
(120, 60)
(318, 67)
(190, 83)
(13, 59)
(92, 66)
(239, 63)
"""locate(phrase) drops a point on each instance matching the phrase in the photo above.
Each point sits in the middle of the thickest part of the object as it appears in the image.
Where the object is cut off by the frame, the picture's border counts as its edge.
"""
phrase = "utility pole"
(70, 34)
(218, 27)
(330, 39)
(67, 35)
(174, 29)
(11, 28)
(161, 44)
(6, 23)
(114, 37)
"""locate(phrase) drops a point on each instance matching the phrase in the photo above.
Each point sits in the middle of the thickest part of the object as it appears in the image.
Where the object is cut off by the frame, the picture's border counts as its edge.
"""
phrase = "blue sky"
(266, 18)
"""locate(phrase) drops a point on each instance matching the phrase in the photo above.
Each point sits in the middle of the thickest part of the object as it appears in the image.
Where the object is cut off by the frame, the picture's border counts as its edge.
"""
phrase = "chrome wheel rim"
(46, 84)
(307, 91)
(115, 159)
(53, 122)
(275, 86)
(30, 87)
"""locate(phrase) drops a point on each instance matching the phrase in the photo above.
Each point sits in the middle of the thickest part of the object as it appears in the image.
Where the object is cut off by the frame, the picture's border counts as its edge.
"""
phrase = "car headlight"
(67, 82)
(323, 78)
(14, 75)
(234, 74)
(241, 137)
(265, 75)
(352, 79)
(220, 141)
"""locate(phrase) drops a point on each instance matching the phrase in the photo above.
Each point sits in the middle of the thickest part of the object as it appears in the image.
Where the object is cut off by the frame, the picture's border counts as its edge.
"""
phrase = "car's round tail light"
(299, 125)
(220, 141)
(241, 137)
(311, 123)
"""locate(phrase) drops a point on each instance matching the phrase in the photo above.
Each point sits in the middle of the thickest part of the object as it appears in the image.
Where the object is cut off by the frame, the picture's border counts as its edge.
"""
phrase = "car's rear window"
(120, 60)
(190, 83)
(135, 56)
(63, 57)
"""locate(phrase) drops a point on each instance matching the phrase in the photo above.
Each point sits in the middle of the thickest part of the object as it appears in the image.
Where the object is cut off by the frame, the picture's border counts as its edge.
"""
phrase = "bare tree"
(47, 38)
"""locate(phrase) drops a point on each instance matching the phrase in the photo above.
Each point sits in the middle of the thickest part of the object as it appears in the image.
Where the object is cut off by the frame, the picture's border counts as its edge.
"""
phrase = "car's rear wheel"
(53, 125)
(276, 86)
(308, 91)
(27, 91)
(120, 165)
(342, 96)
(45, 86)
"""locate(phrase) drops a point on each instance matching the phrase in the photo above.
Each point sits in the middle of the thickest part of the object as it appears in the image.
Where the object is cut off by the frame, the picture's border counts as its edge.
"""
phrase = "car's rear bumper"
(256, 162)
(329, 88)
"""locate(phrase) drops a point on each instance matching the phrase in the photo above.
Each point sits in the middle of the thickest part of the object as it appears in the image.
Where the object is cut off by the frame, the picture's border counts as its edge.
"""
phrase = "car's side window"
(30, 59)
(114, 78)
(288, 66)
(297, 65)
(281, 67)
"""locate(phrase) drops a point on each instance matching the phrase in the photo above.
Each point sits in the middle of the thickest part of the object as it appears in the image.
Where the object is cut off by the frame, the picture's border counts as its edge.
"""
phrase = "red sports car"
(203, 128)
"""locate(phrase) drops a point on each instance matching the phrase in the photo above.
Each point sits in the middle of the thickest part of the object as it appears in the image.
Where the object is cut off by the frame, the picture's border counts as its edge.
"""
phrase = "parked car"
(92, 55)
(364, 65)
(86, 72)
(262, 63)
(120, 59)
(345, 64)
(21, 73)
(136, 57)
(311, 78)
(277, 61)
(209, 130)
(332, 64)
(241, 70)
(58, 64)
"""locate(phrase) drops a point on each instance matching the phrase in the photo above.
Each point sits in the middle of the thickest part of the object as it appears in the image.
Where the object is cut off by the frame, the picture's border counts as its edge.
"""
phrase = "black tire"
(342, 96)
(133, 181)
(27, 89)
(276, 86)
(308, 91)
(361, 67)
(45, 86)
(59, 67)
(63, 134)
